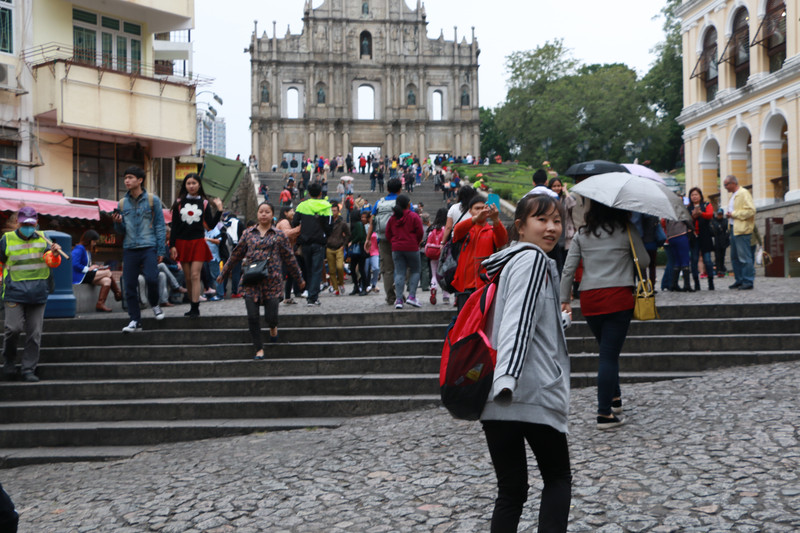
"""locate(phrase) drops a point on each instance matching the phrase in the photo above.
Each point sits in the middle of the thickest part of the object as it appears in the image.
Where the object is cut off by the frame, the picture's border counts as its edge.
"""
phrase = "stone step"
(694, 343)
(413, 364)
(194, 408)
(239, 351)
(104, 323)
(244, 387)
(23, 443)
(220, 336)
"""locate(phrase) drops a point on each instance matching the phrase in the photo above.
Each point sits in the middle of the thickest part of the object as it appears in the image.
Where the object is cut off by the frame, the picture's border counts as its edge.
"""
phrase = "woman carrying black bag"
(258, 244)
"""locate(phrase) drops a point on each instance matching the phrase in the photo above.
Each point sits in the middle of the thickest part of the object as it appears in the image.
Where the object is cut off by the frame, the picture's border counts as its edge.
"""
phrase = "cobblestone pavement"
(766, 290)
(713, 453)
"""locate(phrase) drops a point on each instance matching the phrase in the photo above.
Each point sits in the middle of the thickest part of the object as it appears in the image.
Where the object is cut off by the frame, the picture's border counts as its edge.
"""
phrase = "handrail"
(53, 52)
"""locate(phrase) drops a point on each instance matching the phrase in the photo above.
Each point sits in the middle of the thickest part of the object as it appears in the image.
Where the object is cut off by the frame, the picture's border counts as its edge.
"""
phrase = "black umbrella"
(590, 168)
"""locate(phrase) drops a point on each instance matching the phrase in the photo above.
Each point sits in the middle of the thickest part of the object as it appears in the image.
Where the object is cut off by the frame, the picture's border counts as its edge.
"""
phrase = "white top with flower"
(191, 213)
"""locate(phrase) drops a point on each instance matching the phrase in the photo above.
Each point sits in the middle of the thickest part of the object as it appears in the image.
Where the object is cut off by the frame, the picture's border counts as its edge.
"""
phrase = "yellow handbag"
(644, 307)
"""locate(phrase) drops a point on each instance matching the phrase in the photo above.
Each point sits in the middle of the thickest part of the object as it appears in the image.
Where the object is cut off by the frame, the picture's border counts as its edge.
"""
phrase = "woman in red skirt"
(191, 216)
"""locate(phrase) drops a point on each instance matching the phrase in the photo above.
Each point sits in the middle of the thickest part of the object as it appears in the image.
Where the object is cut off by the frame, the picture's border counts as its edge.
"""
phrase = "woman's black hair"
(534, 205)
(183, 192)
(550, 186)
(440, 220)
(465, 194)
(600, 216)
(689, 195)
(400, 205)
(88, 236)
(282, 212)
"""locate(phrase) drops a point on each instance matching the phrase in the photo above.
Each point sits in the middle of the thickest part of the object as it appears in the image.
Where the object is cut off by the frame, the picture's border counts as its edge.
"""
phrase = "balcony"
(158, 15)
(72, 91)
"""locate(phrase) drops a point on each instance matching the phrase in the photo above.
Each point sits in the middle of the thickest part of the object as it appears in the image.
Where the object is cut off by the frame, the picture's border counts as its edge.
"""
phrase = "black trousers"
(270, 314)
(9, 519)
(506, 442)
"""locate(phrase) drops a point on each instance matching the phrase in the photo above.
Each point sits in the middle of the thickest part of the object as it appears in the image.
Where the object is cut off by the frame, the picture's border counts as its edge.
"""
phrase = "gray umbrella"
(633, 193)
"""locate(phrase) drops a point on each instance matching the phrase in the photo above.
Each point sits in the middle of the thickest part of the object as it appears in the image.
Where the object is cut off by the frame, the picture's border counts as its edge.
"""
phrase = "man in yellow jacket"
(742, 216)
(25, 291)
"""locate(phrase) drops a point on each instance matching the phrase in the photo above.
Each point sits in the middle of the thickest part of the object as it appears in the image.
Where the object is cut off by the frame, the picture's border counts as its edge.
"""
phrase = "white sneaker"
(304, 295)
(132, 327)
(368, 289)
(159, 314)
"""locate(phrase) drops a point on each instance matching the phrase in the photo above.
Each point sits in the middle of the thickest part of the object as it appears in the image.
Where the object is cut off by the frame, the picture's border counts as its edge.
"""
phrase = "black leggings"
(270, 315)
(507, 447)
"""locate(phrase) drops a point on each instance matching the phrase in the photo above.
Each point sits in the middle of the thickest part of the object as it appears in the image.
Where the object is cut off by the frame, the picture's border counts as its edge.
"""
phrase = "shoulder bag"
(644, 307)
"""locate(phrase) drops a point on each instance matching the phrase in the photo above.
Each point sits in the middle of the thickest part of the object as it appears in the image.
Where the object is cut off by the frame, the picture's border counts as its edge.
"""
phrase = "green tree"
(663, 90)
(494, 141)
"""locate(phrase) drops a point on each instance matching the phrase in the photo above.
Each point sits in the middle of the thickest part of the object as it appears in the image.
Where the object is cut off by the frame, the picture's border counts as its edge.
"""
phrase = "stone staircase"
(106, 395)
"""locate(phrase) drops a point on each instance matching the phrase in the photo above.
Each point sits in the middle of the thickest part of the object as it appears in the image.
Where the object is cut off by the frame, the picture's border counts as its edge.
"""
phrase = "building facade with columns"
(363, 73)
(741, 93)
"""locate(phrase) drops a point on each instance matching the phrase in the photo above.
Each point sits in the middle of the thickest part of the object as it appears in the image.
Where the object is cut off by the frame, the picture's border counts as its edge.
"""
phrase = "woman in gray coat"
(606, 289)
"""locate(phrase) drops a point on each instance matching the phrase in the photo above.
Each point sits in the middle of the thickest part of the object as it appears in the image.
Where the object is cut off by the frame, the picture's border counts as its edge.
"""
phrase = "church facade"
(363, 73)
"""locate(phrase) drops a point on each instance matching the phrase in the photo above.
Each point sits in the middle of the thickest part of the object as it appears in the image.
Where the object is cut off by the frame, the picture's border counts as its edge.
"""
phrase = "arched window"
(772, 34)
(740, 47)
(366, 103)
(365, 44)
(321, 95)
(292, 103)
(437, 105)
(709, 64)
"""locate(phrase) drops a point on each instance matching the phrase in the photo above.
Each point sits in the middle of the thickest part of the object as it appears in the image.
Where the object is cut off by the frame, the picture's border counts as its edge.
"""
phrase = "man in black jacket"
(314, 218)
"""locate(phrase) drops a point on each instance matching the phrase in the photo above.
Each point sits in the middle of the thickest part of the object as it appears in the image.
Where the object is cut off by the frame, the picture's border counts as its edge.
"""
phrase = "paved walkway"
(717, 453)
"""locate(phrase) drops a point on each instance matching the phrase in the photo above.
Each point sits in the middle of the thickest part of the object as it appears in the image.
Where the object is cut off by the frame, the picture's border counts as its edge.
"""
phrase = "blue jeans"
(403, 260)
(314, 255)
(696, 254)
(610, 331)
(374, 269)
(134, 261)
(742, 260)
(213, 267)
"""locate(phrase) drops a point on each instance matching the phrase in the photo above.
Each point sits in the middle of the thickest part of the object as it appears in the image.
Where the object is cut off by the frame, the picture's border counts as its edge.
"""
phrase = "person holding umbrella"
(606, 289)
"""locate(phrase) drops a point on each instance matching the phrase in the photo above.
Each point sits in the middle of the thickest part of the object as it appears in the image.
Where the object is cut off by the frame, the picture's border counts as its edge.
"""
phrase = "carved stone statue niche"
(264, 94)
(365, 8)
(321, 95)
(465, 97)
(412, 97)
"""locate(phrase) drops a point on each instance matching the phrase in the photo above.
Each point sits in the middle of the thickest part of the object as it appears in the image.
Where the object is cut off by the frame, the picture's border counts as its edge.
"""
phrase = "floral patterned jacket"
(273, 246)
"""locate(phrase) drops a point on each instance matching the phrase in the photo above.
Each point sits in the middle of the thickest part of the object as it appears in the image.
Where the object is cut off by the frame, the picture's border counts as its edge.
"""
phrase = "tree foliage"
(558, 109)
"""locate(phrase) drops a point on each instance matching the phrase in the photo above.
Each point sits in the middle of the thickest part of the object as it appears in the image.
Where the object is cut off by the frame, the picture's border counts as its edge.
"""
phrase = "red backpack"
(466, 372)
(433, 246)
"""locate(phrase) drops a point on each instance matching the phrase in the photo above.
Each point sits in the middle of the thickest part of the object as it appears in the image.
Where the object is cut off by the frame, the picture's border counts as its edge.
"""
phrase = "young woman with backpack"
(404, 233)
(433, 250)
(529, 398)
(191, 217)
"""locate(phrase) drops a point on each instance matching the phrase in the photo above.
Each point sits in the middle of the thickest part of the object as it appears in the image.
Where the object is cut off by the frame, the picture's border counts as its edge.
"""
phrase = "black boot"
(687, 282)
(697, 282)
(676, 276)
(194, 311)
(711, 282)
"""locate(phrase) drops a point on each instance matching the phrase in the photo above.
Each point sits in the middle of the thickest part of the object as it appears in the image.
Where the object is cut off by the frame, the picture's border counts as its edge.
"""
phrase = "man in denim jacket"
(141, 221)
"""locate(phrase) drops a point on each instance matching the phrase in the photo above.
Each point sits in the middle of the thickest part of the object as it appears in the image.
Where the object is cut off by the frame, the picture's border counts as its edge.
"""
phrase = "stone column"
(312, 141)
(331, 143)
(275, 159)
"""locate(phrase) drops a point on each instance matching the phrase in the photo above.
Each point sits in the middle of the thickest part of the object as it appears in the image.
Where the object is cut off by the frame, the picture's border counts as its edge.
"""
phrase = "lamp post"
(583, 149)
(214, 95)
(546, 144)
(628, 147)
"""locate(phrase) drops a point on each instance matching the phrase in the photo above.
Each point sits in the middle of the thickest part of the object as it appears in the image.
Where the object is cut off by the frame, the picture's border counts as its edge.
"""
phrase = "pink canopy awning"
(46, 203)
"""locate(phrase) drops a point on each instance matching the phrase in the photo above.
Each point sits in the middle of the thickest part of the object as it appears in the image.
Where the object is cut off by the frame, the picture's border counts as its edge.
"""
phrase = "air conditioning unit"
(8, 76)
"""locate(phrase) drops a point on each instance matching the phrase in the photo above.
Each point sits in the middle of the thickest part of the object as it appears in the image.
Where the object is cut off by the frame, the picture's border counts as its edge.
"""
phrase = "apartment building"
(90, 87)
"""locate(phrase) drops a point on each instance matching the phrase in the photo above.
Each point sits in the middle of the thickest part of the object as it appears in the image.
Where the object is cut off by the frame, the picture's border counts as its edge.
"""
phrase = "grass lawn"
(509, 180)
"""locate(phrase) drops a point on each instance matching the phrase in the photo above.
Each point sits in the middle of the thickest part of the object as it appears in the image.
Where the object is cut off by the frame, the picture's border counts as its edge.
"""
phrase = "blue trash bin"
(61, 303)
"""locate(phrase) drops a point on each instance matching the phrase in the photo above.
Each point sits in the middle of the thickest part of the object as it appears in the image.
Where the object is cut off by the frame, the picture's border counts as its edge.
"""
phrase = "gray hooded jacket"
(526, 330)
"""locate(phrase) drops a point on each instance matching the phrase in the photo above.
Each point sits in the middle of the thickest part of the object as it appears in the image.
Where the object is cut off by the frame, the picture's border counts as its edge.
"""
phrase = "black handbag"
(255, 272)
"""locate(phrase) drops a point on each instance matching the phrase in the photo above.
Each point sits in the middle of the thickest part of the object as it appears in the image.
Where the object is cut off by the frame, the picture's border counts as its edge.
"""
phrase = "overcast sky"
(597, 31)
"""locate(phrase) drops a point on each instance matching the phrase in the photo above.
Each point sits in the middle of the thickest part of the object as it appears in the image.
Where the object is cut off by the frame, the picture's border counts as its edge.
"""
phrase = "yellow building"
(741, 83)
(92, 87)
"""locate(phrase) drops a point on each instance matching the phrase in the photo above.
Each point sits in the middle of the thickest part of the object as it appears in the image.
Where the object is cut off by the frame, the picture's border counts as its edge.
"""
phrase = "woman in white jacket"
(530, 394)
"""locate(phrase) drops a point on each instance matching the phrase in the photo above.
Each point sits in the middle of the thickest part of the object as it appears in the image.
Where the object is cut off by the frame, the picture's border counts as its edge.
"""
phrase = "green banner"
(221, 176)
